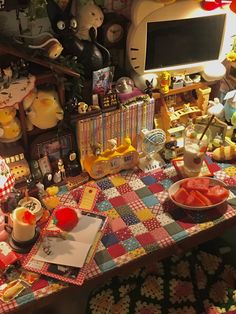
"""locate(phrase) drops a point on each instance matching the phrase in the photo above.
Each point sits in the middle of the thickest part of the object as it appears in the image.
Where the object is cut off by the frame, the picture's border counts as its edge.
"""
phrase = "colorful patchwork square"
(117, 224)
(136, 205)
(112, 213)
(137, 252)
(102, 257)
(230, 181)
(117, 180)
(116, 250)
(160, 234)
(151, 224)
(131, 244)
(130, 175)
(156, 188)
(130, 197)
(148, 180)
(214, 167)
(107, 266)
(105, 184)
(117, 201)
(109, 239)
(170, 172)
(110, 193)
(167, 183)
(221, 175)
(231, 171)
(180, 235)
(124, 210)
(77, 193)
(173, 228)
(103, 206)
(162, 196)
(136, 184)
(123, 234)
(124, 188)
(145, 239)
(186, 223)
(143, 192)
(159, 175)
(164, 219)
(150, 200)
(138, 229)
(130, 219)
(151, 247)
(144, 214)
(156, 209)
(168, 205)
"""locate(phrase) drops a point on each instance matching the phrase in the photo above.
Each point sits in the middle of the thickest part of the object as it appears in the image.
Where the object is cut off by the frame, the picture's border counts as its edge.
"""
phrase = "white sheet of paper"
(63, 252)
(86, 229)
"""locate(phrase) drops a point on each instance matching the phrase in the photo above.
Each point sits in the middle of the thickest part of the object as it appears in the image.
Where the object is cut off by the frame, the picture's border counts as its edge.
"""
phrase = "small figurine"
(149, 89)
(73, 167)
(216, 108)
(96, 149)
(112, 144)
(47, 180)
(164, 82)
(61, 168)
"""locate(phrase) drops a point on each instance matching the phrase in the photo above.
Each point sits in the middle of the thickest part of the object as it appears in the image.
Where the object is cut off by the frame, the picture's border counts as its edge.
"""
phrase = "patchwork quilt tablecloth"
(141, 219)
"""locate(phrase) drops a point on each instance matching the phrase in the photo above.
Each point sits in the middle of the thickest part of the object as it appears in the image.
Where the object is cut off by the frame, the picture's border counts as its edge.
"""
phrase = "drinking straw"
(207, 126)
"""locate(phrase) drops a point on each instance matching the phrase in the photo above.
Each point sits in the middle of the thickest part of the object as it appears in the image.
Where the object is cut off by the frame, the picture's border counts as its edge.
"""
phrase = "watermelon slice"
(217, 194)
(193, 200)
(181, 195)
(199, 184)
(203, 198)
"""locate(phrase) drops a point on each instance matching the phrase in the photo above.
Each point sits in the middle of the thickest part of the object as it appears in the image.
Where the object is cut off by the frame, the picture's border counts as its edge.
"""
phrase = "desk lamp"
(7, 181)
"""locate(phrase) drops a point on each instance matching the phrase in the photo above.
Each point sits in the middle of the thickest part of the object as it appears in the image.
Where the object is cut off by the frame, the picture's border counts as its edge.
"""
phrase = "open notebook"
(67, 259)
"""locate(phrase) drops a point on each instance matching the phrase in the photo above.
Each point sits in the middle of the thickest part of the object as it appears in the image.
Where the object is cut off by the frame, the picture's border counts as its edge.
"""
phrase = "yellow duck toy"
(10, 128)
(164, 81)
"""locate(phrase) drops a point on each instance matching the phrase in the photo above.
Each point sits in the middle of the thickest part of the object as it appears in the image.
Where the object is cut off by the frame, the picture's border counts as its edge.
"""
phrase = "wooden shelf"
(17, 51)
(175, 91)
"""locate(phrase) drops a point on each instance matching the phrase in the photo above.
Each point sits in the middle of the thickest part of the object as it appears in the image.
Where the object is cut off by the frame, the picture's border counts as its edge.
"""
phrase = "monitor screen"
(186, 41)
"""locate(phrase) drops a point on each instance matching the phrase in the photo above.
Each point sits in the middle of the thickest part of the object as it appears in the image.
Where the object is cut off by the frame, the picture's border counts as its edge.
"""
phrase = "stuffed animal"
(42, 109)
(92, 55)
(10, 128)
(224, 153)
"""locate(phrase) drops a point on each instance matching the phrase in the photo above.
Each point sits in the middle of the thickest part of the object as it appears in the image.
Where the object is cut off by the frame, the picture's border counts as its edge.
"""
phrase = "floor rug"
(198, 282)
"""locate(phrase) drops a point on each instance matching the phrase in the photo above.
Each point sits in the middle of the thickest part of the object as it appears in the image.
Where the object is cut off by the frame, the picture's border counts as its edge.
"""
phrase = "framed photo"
(217, 127)
(102, 80)
(52, 145)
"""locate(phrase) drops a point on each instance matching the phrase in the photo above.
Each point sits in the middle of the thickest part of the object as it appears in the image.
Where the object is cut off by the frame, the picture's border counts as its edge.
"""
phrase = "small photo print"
(102, 80)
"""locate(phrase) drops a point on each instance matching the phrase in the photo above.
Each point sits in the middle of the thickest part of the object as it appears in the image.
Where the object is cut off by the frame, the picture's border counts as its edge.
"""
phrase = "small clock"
(112, 33)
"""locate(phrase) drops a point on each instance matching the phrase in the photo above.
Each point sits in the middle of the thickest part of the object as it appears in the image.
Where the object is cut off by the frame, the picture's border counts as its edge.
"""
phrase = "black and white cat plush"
(92, 55)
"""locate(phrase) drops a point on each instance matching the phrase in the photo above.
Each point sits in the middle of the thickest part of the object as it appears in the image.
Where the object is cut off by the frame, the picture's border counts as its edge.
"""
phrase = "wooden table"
(144, 226)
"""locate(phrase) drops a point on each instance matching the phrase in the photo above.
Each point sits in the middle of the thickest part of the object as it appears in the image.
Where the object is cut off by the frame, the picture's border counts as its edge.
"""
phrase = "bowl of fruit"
(201, 193)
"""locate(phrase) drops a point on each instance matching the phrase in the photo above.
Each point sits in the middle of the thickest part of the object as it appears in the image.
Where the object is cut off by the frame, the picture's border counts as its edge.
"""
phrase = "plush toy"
(10, 128)
(42, 109)
(164, 81)
(224, 153)
(66, 218)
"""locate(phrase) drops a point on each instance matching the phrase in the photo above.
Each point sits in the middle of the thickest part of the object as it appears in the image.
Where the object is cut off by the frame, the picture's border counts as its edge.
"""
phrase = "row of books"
(127, 121)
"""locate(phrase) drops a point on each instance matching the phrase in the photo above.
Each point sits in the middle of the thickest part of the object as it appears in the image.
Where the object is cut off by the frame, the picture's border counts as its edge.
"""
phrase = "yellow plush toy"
(42, 109)
(10, 128)
(224, 153)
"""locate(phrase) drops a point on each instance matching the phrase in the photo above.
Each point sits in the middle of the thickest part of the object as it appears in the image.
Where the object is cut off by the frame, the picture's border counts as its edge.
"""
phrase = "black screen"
(178, 42)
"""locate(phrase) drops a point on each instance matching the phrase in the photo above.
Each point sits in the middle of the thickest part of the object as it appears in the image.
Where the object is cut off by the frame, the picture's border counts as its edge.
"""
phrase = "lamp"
(7, 181)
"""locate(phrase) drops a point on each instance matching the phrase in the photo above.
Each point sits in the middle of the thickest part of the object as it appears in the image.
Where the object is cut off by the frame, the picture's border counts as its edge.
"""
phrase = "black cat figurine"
(90, 54)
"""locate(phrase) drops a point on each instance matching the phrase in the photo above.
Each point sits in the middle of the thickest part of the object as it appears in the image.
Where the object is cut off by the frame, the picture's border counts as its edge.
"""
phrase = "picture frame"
(217, 126)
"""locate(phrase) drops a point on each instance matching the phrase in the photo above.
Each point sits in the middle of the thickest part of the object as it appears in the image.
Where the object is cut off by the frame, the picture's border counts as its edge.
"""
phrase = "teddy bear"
(10, 128)
(42, 109)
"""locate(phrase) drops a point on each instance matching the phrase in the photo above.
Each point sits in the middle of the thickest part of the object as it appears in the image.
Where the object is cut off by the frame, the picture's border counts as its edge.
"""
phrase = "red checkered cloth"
(7, 180)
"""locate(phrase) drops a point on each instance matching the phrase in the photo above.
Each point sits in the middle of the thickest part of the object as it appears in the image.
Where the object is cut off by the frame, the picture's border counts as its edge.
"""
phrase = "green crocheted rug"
(196, 283)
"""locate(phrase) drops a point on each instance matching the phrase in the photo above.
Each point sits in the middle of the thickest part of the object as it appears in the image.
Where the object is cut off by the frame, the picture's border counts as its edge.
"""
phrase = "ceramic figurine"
(47, 180)
(72, 166)
(164, 82)
(96, 149)
(216, 108)
(61, 168)
(169, 151)
(149, 89)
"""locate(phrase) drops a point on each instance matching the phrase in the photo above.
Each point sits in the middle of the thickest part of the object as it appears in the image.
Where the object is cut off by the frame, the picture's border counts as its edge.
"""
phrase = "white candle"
(22, 230)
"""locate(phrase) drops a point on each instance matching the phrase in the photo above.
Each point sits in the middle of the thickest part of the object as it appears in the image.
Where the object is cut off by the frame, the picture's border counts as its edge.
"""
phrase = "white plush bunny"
(216, 108)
